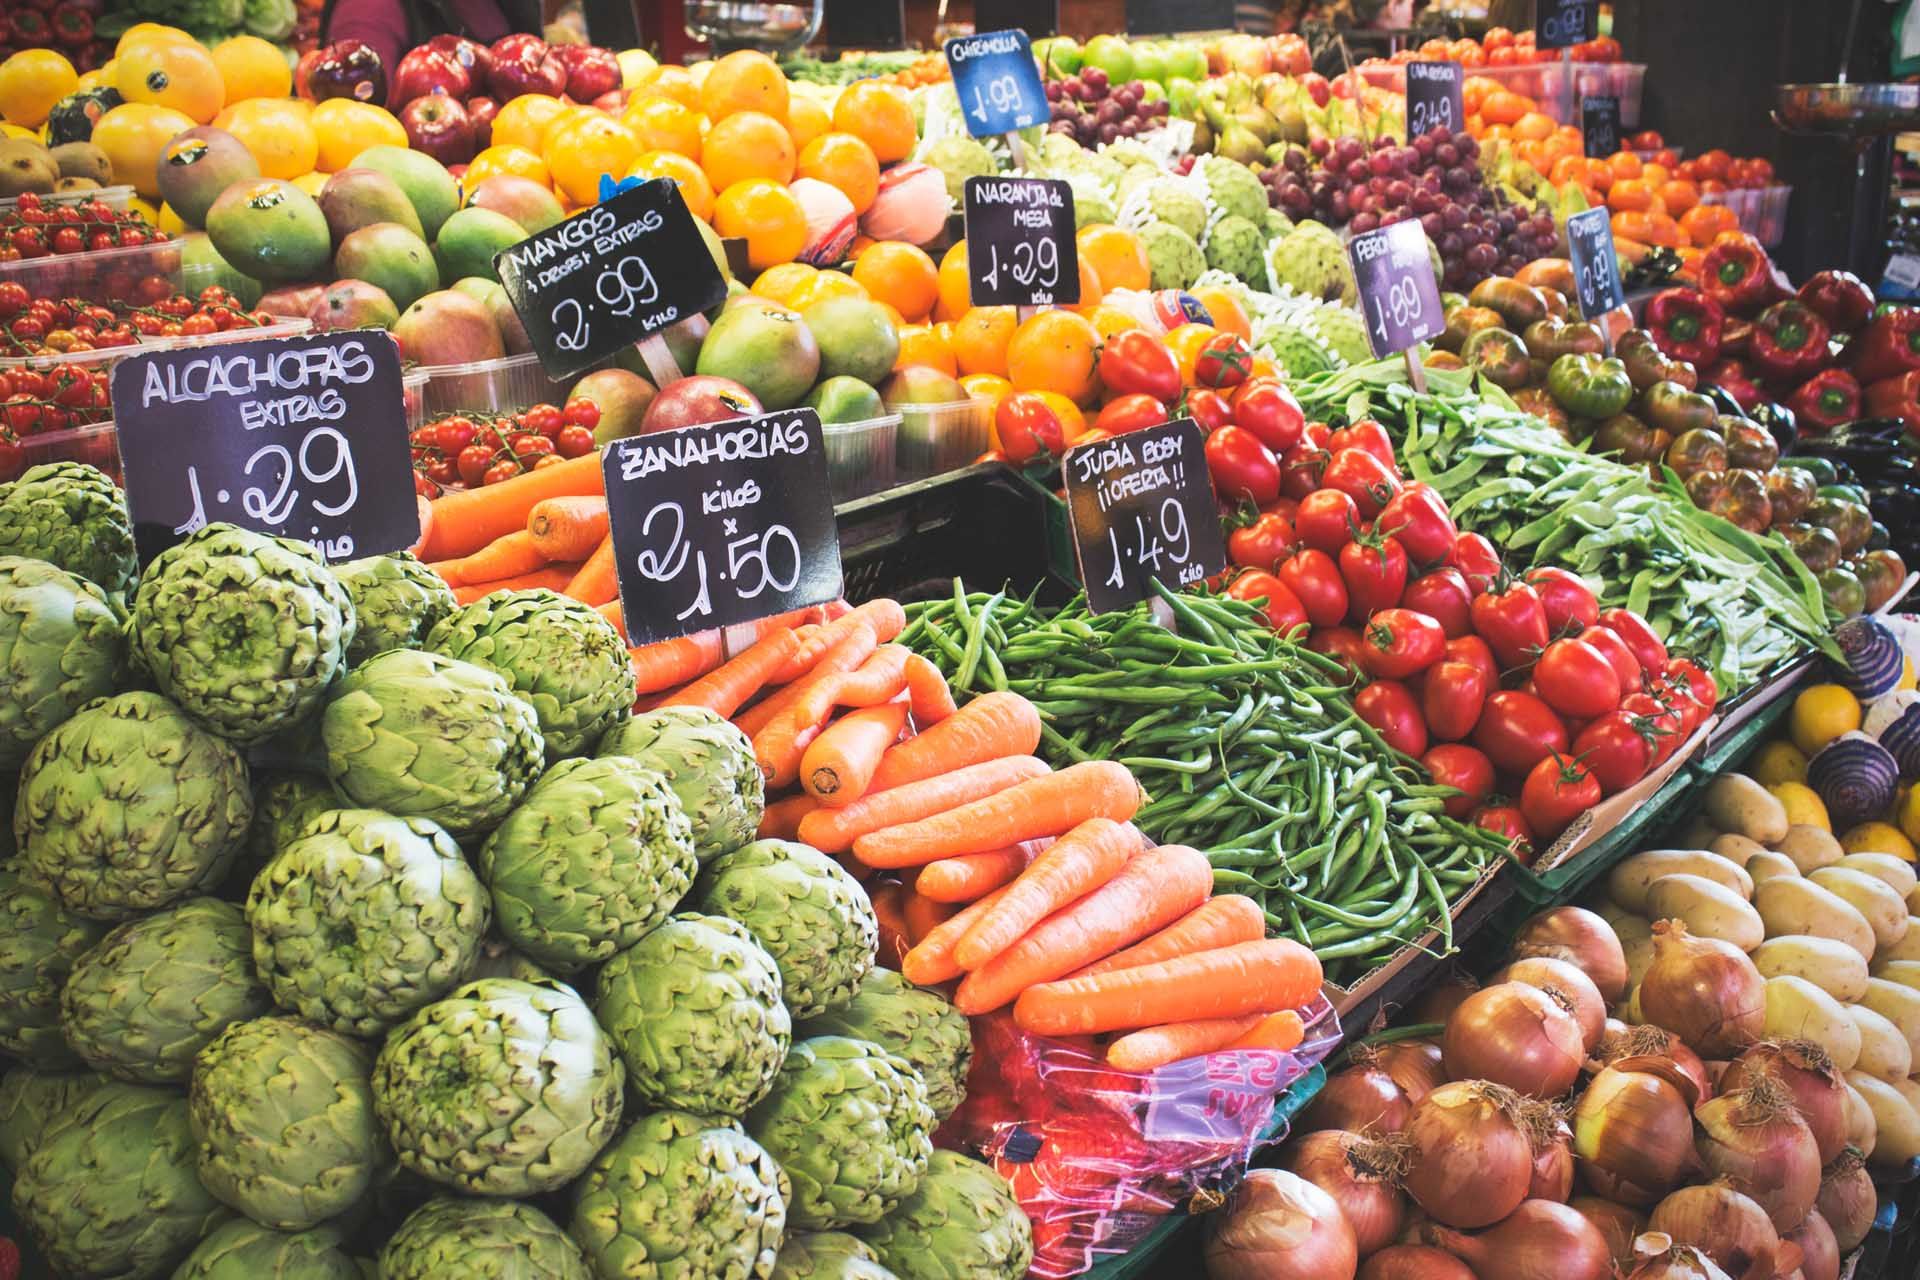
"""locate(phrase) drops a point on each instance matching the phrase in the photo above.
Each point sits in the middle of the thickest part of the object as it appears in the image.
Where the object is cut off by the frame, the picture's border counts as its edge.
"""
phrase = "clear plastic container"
(506, 385)
(861, 455)
(1547, 84)
(99, 361)
(104, 276)
(115, 198)
(936, 438)
(1762, 210)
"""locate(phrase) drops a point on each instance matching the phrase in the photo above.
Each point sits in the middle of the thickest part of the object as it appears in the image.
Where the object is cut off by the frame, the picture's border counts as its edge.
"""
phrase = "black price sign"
(1596, 271)
(610, 275)
(1143, 510)
(1600, 125)
(302, 438)
(1171, 17)
(720, 524)
(1038, 18)
(997, 81)
(1020, 246)
(1434, 97)
(1560, 23)
(867, 24)
(1398, 294)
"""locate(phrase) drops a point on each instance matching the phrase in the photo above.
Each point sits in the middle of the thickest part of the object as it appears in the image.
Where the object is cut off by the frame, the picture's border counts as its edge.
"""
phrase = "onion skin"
(1644, 1039)
(1415, 1262)
(1633, 1132)
(1516, 1035)
(1337, 1162)
(1807, 1073)
(1471, 1159)
(1279, 1224)
(1721, 1223)
(1540, 1240)
(1548, 974)
(1553, 1167)
(1658, 1258)
(1756, 1143)
(1584, 940)
(1819, 1251)
(1416, 1066)
(1361, 1099)
(1703, 990)
(1847, 1200)
(1619, 1223)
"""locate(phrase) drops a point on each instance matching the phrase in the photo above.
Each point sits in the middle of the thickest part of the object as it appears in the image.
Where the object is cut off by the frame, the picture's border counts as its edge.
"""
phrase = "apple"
(438, 125)
(291, 301)
(470, 55)
(1317, 88)
(301, 71)
(613, 101)
(481, 110)
(591, 70)
(1112, 55)
(349, 69)
(448, 327)
(525, 63)
(701, 398)
(425, 70)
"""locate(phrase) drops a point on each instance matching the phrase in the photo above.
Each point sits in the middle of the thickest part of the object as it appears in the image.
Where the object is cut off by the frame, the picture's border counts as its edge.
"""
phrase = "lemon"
(1822, 713)
(1778, 761)
(1907, 812)
(1878, 837)
(1803, 805)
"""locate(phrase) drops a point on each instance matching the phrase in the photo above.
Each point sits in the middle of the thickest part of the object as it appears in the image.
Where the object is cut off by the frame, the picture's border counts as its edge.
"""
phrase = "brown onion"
(1362, 1176)
(1817, 1091)
(1589, 1010)
(1471, 1157)
(1540, 1240)
(1618, 1223)
(1437, 1002)
(1552, 1155)
(1703, 990)
(1414, 1262)
(1659, 1258)
(1819, 1251)
(1847, 1200)
(1633, 1130)
(1515, 1035)
(1415, 1065)
(1584, 940)
(1278, 1224)
(1723, 1224)
(1640, 1040)
(1361, 1099)
(1755, 1142)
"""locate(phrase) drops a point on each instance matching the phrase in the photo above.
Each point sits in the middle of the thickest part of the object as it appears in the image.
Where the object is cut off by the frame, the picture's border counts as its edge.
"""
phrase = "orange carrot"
(1157, 1046)
(1283, 1030)
(599, 578)
(728, 686)
(834, 610)
(889, 900)
(836, 830)
(612, 612)
(973, 875)
(885, 618)
(568, 528)
(754, 720)
(1078, 863)
(552, 578)
(931, 961)
(1217, 922)
(881, 678)
(923, 915)
(990, 727)
(1049, 806)
(425, 508)
(1247, 977)
(1155, 887)
(465, 521)
(505, 557)
(781, 818)
(837, 765)
(932, 698)
(672, 663)
(779, 746)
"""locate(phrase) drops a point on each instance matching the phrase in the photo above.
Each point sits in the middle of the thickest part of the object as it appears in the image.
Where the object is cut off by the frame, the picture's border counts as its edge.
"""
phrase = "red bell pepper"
(1887, 347)
(1790, 343)
(1829, 399)
(1733, 377)
(72, 26)
(1686, 324)
(1736, 336)
(1736, 273)
(1897, 397)
(1838, 297)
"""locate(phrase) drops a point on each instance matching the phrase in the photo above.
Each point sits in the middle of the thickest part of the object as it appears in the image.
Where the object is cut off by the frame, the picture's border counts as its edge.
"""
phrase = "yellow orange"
(1091, 290)
(747, 144)
(278, 131)
(584, 149)
(744, 80)
(782, 282)
(675, 82)
(1109, 320)
(881, 115)
(768, 215)
(1072, 421)
(132, 135)
(506, 158)
(311, 183)
(900, 275)
(692, 180)
(807, 120)
(570, 115)
(172, 73)
(1228, 315)
(1055, 351)
(985, 386)
(1117, 255)
(828, 284)
(661, 124)
(926, 345)
(31, 82)
(344, 127)
(980, 339)
(844, 161)
(956, 293)
(251, 68)
(141, 32)
(523, 121)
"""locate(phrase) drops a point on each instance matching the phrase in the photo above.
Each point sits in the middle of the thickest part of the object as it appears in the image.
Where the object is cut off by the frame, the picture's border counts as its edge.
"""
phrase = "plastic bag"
(1098, 1157)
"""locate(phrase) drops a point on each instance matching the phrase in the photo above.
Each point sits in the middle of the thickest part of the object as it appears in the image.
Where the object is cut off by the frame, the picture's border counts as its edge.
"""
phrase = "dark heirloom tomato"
(1708, 489)
(1745, 502)
(1817, 547)
(1851, 522)
(1845, 593)
(1671, 407)
(1880, 573)
(1517, 730)
(1553, 337)
(1536, 401)
(1453, 765)
(1701, 449)
(1791, 490)
(1463, 323)
(1749, 446)
(1519, 304)
(1389, 706)
(1626, 437)
(1500, 357)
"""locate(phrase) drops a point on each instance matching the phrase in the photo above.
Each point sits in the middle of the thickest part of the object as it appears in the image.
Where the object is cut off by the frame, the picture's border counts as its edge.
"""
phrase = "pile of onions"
(1414, 1262)
(1581, 938)
(1644, 1041)
(1721, 1223)
(1659, 1258)
(1819, 1251)
(1703, 990)
(1361, 1099)
(1815, 1088)
(1518, 1036)
(1755, 1142)
(1540, 1240)
(1847, 1200)
(1472, 1160)
(1415, 1065)
(1619, 1224)
(1552, 1155)
(1633, 1129)
(1279, 1224)
(1575, 989)
(1363, 1177)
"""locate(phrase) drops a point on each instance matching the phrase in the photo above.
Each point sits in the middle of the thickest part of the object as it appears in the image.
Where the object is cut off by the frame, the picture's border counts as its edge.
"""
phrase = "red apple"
(591, 70)
(471, 55)
(525, 63)
(701, 398)
(1317, 88)
(424, 70)
(613, 101)
(301, 71)
(349, 69)
(437, 125)
(481, 111)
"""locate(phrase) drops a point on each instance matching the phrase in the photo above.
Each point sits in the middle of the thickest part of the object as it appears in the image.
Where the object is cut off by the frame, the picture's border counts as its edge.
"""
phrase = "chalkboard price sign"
(1020, 246)
(998, 82)
(1143, 510)
(1596, 271)
(607, 277)
(1398, 294)
(1434, 97)
(1560, 23)
(720, 524)
(302, 438)
(1600, 125)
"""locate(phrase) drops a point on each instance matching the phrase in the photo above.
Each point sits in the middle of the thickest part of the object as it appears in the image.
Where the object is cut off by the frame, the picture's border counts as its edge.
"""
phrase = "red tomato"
(1660, 721)
(1513, 621)
(1326, 519)
(1375, 572)
(1282, 607)
(1474, 556)
(1507, 820)
(1265, 407)
(1576, 679)
(1343, 644)
(1566, 598)
(1453, 765)
(1388, 706)
(1223, 361)
(1417, 515)
(1517, 730)
(1444, 596)
(1475, 652)
(1028, 428)
(1315, 579)
(1360, 475)
(1129, 413)
(1242, 467)
(1618, 747)
(1136, 361)
(1640, 637)
(1369, 435)
(1302, 465)
(1402, 643)
(1262, 544)
(1557, 791)
(1699, 685)
(1615, 651)
(1453, 697)
(1208, 408)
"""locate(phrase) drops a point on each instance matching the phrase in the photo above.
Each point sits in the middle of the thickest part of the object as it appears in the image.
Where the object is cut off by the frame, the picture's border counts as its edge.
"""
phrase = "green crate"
(1558, 884)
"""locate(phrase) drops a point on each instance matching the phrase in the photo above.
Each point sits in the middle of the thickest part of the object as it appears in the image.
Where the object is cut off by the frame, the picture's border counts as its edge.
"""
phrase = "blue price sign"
(1398, 295)
(998, 83)
(1560, 23)
(1596, 271)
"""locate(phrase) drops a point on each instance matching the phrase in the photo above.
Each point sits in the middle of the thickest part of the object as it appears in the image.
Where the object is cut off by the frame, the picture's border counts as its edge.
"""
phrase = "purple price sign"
(1398, 295)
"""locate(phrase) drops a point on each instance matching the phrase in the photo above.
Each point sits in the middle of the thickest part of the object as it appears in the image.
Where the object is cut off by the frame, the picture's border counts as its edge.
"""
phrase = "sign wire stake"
(659, 360)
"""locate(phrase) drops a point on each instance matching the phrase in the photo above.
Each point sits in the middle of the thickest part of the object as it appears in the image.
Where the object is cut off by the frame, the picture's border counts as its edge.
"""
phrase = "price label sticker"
(1143, 510)
(302, 438)
(1560, 23)
(722, 523)
(998, 82)
(1398, 294)
(1434, 97)
(1596, 269)
(1600, 126)
(1020, 246)
(607, 277)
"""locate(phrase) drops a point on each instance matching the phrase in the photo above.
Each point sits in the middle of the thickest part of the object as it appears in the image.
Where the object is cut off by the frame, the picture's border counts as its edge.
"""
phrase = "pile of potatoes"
(1835, 935)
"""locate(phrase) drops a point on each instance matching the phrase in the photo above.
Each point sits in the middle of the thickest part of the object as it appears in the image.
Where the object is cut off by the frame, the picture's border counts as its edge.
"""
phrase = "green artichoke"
(805, 909)
(248, 1251)
(850, 1124)
(129, 806)
(912, 1023)
(156, 990)
(29, 1101)
(961, 1223)
(61, 646)
(557, 653)
(283, 1113)
(504, 1088)
(110, 1189)
(499, 960)
(680, 1197)
(430, 737)
(283, 803)
(449, 1239)
(596, 855)
(828, 1255)
(710, 765)
(365, 918)
(39, 946)
(695, 1008)
(74, 516)
(397, 600)
(244, 631)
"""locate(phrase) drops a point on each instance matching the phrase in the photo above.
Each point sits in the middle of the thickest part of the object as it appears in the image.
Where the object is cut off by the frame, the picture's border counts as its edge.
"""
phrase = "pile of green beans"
(1249, 750)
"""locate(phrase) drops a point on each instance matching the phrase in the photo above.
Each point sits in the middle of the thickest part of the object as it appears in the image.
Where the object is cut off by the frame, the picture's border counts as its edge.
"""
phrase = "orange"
(694, 187)
(569, 115)
(1072, 421)
(1534, 126)
(345, 128)
(1185, 342)
(1109, 320)
(1117, 255)
(829, 284)
(956, 293)
(141, 32)
(251, 68)
(1055, 351)
(172, 73)
(1624, 164)
(1703, 222)
(31, 82)
(523, 121)
(980, 339)
(1630, 193)
(661, 124)
(279, 132)
(900, 275)
(844, 161)
(768, 215)
(1655, 173)
(132, 135)
(1679, 195)
(747, 144)
(1502, 107)
(505, 158)
(782, 282)
(985, 386)
(584, 149)
(806, 120)
(674, 82)
(1091, 290)
(881, 115)
(1228, 315)
(744, 80)
(923, 344)
(311, 183)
